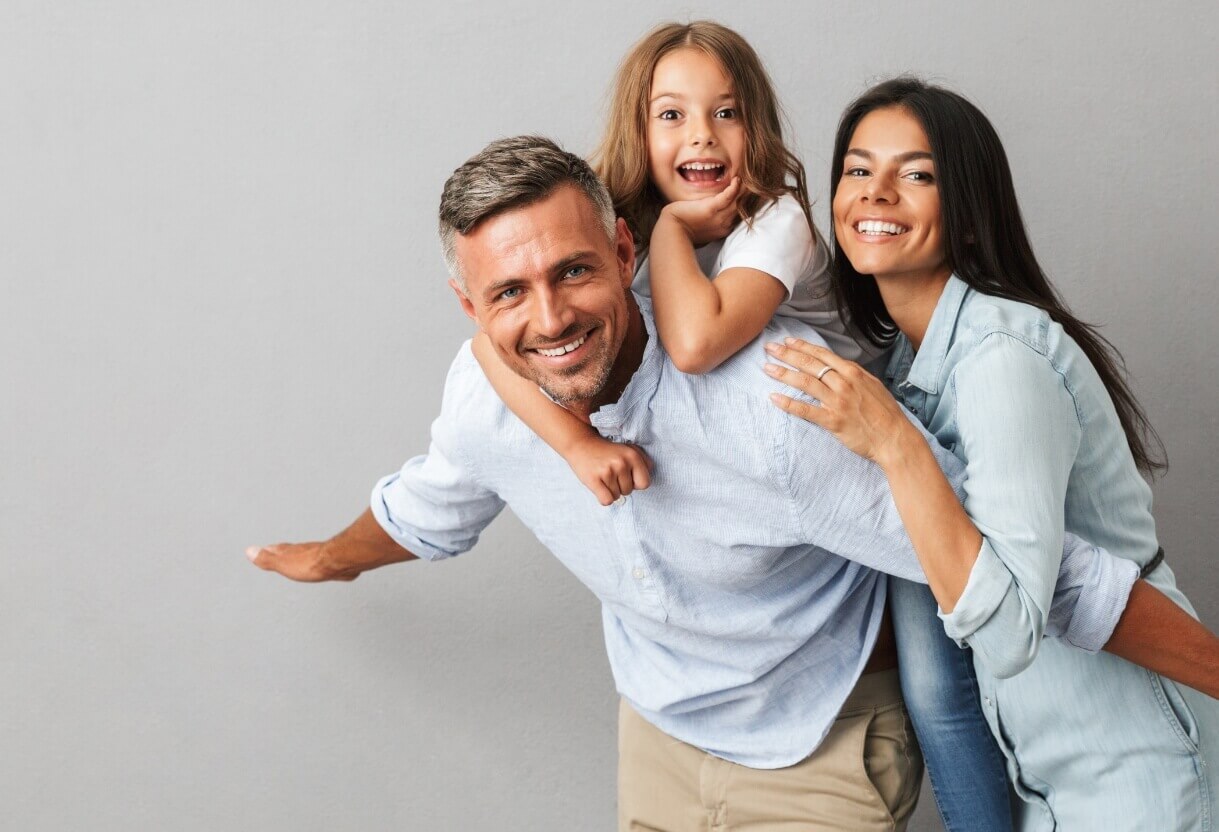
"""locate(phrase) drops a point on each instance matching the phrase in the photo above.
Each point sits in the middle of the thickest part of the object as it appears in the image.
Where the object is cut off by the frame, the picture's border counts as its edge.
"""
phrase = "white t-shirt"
(780, 244)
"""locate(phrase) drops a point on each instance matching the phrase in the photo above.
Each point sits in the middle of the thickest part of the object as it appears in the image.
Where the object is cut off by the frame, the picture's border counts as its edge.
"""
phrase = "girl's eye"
(668, 115)
(726, 112)
(920, 176)
(854, 172)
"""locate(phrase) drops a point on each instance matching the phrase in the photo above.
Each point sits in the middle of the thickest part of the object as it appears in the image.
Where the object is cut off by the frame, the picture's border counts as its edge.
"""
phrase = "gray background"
(224, 315)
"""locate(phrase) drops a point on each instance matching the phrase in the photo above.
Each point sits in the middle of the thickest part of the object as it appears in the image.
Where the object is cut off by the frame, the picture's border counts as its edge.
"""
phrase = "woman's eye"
(920, 176)
(854, 172)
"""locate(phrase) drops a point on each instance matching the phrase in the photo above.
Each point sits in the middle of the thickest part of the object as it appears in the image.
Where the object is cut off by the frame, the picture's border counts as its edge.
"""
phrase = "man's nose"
(552, 314)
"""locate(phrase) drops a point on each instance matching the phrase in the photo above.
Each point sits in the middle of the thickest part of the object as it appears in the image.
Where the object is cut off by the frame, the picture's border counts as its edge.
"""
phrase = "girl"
(694, 159)
(932, 257)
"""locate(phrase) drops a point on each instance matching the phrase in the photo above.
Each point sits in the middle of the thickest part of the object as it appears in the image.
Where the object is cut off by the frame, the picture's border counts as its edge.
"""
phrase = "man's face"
(550, 291)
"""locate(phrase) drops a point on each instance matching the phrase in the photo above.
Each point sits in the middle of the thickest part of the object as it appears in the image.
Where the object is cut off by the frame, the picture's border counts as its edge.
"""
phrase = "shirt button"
(637, 573)
(989, 704)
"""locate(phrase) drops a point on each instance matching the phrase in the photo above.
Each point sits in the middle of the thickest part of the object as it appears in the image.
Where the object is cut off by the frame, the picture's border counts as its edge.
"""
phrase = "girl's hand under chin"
(707, 219)
(855, 406)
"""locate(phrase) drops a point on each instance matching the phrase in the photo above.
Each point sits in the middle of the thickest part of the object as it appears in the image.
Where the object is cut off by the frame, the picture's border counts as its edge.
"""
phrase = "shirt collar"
(643, 382)
(922, 369)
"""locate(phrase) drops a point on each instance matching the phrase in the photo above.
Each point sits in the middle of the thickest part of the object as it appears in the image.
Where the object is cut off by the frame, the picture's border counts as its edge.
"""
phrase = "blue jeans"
(967, 770)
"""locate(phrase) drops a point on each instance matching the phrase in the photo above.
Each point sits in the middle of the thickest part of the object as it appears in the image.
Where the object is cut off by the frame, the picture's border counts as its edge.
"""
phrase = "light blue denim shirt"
(739, 597)
(1092, 742)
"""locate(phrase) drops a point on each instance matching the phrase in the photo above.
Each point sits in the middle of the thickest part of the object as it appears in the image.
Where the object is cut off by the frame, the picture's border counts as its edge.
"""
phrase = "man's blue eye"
(509, 294)
(576, 271)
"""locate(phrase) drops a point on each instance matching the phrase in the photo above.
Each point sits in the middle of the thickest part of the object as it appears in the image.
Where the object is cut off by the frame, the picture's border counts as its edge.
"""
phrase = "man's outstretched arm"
(1157, 634)
(361, 546)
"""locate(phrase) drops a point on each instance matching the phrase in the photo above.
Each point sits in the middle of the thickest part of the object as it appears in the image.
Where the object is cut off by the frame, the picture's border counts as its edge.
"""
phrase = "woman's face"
(887, 207)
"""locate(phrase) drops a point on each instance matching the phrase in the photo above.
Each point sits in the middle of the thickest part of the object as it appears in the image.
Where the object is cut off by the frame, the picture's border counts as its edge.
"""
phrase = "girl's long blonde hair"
(769, 169)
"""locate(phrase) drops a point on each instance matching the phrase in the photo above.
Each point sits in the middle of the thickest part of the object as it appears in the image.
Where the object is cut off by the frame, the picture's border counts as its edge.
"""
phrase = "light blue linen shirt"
(1092, 741)
(739, 593)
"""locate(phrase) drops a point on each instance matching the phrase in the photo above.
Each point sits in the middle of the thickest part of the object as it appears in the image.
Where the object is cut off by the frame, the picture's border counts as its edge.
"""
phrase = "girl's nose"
(702, 134)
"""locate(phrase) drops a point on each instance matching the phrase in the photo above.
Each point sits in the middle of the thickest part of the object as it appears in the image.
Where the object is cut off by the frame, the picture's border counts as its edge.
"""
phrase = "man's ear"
(624, 248)
(466, 306)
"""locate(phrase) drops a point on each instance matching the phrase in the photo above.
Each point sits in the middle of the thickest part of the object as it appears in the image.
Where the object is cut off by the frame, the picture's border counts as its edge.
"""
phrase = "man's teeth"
(566, 348)
(878, 227)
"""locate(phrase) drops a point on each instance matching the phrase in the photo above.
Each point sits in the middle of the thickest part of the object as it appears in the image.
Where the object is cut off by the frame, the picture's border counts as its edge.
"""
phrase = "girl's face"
(696, 141)
(887, 208)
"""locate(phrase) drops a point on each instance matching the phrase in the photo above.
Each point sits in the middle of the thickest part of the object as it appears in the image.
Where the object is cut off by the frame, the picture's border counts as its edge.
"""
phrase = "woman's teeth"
(877, 227)
(566, 348)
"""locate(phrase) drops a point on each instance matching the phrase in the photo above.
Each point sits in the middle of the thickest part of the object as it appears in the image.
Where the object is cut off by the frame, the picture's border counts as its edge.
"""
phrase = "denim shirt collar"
(923, 368)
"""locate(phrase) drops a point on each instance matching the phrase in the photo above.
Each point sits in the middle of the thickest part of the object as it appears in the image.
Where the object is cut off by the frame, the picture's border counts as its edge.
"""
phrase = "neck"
(910, 302)
(630, 356)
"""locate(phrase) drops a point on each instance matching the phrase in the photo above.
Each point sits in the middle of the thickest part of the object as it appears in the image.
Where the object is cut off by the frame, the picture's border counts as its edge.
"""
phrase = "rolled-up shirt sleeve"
(1031, 579)
(435, 507)
(1019, 431)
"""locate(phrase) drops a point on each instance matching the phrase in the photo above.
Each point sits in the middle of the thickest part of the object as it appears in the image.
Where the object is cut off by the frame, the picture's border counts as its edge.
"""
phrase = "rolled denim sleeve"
(1019, 431)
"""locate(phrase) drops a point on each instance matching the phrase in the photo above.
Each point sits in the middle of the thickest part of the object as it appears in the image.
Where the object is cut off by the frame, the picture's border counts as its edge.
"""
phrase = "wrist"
(671, 222)
(905, 450)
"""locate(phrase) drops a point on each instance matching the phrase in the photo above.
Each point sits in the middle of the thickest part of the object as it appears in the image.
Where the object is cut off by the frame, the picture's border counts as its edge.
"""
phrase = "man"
(740, 612)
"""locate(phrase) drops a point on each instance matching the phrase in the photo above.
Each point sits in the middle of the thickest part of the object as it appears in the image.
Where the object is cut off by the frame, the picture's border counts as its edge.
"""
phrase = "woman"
(932, 257)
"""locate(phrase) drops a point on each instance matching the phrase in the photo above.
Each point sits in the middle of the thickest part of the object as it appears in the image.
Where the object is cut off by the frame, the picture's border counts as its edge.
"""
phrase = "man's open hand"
(301, 562)
(361, 546)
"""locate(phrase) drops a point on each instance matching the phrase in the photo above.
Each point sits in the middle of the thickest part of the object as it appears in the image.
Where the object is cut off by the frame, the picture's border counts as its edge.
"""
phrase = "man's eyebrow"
(571, 259)
(901, 158)
(559, 266)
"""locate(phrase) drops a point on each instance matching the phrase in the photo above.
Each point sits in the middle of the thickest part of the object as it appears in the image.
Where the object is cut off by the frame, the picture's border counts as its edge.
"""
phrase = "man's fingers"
(257, 556)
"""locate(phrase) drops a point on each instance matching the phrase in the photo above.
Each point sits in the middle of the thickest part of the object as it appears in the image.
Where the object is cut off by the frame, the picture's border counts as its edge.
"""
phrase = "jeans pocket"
(1177, 712)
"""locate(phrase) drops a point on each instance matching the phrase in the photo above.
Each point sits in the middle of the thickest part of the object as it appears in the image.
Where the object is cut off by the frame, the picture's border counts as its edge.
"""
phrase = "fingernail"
(776, 398)
(789, 340)
(251, 552)
(770, 369)
(773, 347)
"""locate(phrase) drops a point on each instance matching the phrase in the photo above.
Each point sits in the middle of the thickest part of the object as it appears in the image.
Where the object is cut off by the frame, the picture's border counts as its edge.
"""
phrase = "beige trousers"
(865, 775)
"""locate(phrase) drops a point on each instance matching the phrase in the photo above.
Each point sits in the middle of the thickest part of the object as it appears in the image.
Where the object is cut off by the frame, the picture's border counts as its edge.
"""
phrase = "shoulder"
(741, 374)
(983, 316)
(470, 409)
(1008, 356)
(782, 216)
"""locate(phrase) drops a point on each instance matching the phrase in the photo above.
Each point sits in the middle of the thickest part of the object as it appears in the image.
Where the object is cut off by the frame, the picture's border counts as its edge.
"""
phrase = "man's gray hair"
(511, 173)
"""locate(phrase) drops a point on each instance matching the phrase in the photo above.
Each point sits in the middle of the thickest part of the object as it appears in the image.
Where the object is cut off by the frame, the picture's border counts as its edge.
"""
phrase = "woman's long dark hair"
(984, 239)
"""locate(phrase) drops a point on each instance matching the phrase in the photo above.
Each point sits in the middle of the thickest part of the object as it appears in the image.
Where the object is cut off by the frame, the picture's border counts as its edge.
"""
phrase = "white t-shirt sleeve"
(778, 242)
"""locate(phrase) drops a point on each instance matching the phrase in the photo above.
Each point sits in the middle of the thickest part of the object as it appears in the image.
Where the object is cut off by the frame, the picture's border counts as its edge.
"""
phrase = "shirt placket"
(639, 564)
